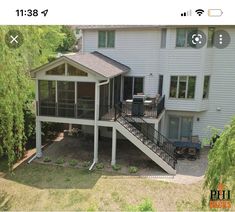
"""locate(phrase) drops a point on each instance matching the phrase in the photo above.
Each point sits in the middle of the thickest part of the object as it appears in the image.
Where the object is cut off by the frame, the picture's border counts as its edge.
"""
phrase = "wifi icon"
(199, 12)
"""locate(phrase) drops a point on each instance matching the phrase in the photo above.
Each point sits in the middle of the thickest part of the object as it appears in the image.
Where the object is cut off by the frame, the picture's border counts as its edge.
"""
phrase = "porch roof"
(95, 62)
(100, 63)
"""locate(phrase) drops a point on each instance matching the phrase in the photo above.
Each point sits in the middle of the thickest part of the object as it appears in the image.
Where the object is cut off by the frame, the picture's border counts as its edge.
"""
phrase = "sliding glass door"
(180, 127)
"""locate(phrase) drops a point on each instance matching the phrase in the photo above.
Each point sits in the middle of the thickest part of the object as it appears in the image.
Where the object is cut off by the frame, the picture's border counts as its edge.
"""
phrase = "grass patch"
(60, 161)
(99, 166)
(4, 201)
(116, 167)
(46, 187)
(73, 163)
(145, 205)
(47, 159)
(133, 169)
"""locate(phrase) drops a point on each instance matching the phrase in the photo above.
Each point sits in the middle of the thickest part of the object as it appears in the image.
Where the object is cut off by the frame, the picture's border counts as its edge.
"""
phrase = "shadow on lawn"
(50, 176)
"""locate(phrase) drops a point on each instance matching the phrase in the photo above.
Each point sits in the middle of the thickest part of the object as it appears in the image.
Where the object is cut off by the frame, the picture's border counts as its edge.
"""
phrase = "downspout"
(97, 114)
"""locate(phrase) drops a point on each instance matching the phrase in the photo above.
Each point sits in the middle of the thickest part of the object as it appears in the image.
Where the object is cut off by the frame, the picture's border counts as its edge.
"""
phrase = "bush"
(47, 159)
(133, 169)
(73, 162)
(116, 167)
(60, 161)
(86, 164)
(99, 165)
(146, 205)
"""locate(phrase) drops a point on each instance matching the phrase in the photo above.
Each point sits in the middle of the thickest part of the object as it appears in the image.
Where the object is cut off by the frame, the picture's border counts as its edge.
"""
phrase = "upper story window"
(182, 87)
(163, 37)
(106, 39)
(132, 86)
(210, 37)
(182, 37)
(206, 87)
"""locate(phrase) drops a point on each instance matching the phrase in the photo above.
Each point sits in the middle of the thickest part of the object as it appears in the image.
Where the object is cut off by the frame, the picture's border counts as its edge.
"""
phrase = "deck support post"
(114, 146)
(38, 139)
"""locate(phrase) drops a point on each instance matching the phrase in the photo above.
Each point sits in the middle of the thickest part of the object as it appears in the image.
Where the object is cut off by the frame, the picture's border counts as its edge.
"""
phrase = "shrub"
(60, 161)
(116, 167)
(99, 165)
(47, 159)
(86, 164)
(133, 169)
(146, 205)
(73, 162)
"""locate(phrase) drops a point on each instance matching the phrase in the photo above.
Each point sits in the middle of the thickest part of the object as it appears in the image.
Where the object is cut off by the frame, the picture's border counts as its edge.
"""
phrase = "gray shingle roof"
(99, 63)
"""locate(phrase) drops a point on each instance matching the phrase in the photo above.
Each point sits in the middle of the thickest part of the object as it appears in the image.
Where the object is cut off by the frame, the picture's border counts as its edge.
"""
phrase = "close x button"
(14, 39)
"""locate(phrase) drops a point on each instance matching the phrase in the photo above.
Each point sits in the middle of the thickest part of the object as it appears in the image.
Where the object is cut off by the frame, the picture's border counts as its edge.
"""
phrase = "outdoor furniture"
(189, 145)
(192, 153)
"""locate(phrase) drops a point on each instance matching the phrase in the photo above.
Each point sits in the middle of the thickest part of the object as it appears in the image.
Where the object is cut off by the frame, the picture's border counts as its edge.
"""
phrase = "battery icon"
(215, 12)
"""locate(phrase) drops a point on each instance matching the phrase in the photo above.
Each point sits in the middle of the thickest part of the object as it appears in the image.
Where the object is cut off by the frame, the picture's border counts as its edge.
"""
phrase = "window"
(163, 38)
(206, 87)
(132, 86)
(72, 71)
(180, 126)
(173, 86)
(106, 39)
(59, 70)
(210, 41)
(182, 87)
(182, 37)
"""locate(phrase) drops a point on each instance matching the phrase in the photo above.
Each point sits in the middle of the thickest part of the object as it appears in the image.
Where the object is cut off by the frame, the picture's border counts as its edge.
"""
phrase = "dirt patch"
(80, 150)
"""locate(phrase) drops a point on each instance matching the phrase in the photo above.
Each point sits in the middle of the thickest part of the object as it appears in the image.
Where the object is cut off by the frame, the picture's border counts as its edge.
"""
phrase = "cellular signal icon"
(187, 13)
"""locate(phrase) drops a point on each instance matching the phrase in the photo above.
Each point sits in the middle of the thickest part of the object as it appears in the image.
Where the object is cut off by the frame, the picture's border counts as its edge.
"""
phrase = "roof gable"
(94, 63)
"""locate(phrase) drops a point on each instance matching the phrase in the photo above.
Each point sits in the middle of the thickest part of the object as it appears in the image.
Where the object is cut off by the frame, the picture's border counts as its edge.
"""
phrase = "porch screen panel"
(85, 100)
(117, 89)
(127, 91)
(66, 99)
(47, 98)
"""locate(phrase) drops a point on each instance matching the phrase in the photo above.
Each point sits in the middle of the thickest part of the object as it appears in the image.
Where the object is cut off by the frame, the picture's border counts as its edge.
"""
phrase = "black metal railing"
(150, 110)
(149, 133)
(83, 109)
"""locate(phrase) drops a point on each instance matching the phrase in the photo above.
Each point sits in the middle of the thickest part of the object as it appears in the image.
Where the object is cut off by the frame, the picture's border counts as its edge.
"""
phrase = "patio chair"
(180, 153)
(192, 154)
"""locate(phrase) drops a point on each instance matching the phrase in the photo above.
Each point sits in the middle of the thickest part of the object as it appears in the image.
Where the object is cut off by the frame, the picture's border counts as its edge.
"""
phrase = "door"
(160, 84)
(186, 127)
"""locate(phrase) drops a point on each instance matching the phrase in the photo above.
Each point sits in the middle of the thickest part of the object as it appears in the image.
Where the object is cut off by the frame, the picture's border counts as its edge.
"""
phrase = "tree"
(221, 160)
(69, 39)
(16, 87)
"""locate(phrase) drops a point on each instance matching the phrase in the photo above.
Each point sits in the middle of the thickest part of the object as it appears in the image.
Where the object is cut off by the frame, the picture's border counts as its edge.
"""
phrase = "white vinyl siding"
(141, 51)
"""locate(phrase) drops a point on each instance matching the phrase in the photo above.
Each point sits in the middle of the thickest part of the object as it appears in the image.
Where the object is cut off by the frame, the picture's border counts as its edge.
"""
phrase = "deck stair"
(154, 144)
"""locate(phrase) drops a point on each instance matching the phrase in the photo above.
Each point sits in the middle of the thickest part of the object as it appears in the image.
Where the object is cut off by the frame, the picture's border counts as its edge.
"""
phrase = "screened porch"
(66, 99)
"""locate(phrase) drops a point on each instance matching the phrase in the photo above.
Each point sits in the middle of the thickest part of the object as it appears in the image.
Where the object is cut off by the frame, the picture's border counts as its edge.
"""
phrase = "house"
(143, 82)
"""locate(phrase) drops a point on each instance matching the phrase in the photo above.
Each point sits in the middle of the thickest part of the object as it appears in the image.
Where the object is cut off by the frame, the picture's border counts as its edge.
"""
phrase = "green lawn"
(48, 187)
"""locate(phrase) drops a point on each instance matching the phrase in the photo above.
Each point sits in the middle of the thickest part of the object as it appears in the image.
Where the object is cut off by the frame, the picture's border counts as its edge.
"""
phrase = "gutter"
(97, 115)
